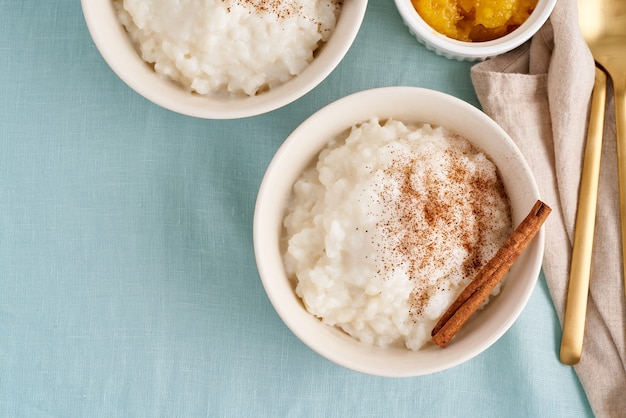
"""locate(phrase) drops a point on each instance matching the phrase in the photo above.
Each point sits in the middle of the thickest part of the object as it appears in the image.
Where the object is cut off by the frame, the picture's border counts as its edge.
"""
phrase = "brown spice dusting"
(460, 214)
(281, 9)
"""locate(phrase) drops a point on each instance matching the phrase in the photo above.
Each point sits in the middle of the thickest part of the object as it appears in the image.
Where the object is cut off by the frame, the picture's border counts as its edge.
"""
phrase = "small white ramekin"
(472, 51)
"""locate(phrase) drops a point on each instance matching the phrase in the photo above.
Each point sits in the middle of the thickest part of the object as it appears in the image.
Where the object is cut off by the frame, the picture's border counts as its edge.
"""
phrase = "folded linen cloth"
(540, 93)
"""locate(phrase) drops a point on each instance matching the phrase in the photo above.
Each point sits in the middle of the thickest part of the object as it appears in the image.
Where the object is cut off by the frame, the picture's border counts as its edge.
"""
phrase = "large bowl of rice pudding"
(223, 59)
(376, 212)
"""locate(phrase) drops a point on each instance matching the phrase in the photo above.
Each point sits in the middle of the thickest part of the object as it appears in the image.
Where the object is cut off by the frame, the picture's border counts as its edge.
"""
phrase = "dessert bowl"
(409, 104)
(115, 46)
(472, 51)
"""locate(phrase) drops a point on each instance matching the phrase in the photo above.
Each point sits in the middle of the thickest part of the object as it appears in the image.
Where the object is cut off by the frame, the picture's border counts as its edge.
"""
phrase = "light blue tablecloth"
(128, 285)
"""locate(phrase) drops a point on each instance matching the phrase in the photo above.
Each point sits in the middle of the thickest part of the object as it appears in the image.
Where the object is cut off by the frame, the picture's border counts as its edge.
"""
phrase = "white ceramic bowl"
(113, 43)
(472, 51)
(303, 145)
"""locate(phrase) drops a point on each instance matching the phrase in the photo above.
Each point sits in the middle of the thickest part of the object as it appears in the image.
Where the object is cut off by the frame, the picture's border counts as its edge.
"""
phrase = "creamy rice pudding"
(236, 47)
(388, 227)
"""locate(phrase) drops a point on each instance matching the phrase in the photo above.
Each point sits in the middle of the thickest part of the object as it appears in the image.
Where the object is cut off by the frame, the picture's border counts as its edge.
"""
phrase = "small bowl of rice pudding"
(373, 216)
(223, 59)
(471, 30)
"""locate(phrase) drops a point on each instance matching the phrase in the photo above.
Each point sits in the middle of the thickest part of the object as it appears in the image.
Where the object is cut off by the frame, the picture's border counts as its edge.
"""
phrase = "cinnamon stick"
(473, 296)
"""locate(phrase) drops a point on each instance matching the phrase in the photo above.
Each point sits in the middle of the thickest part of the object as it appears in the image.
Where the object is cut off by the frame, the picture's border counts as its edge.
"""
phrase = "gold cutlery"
(580, 268)
(603, 25)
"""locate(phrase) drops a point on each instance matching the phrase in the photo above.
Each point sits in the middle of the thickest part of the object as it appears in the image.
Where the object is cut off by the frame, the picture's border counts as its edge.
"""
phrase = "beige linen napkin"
(540, 94)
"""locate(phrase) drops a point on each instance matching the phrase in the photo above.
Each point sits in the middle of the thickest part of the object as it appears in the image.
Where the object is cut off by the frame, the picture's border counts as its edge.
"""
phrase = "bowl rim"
(474, 50)
(114, 45)
(269, 260)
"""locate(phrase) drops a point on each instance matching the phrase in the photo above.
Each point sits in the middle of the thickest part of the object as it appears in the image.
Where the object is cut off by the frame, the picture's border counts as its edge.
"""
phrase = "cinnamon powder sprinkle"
(281, 9)
(434, 215)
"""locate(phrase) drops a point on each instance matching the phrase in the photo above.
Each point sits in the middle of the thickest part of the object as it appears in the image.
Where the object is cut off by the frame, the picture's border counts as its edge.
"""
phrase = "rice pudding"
(234, 47)
(389, 225)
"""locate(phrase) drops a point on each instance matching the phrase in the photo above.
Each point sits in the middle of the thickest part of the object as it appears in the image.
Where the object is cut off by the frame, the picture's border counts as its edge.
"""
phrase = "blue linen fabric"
(128, 285)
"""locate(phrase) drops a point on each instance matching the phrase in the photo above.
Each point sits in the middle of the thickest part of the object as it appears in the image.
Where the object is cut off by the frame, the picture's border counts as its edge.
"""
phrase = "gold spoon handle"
(619, 85)
(576, 307)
